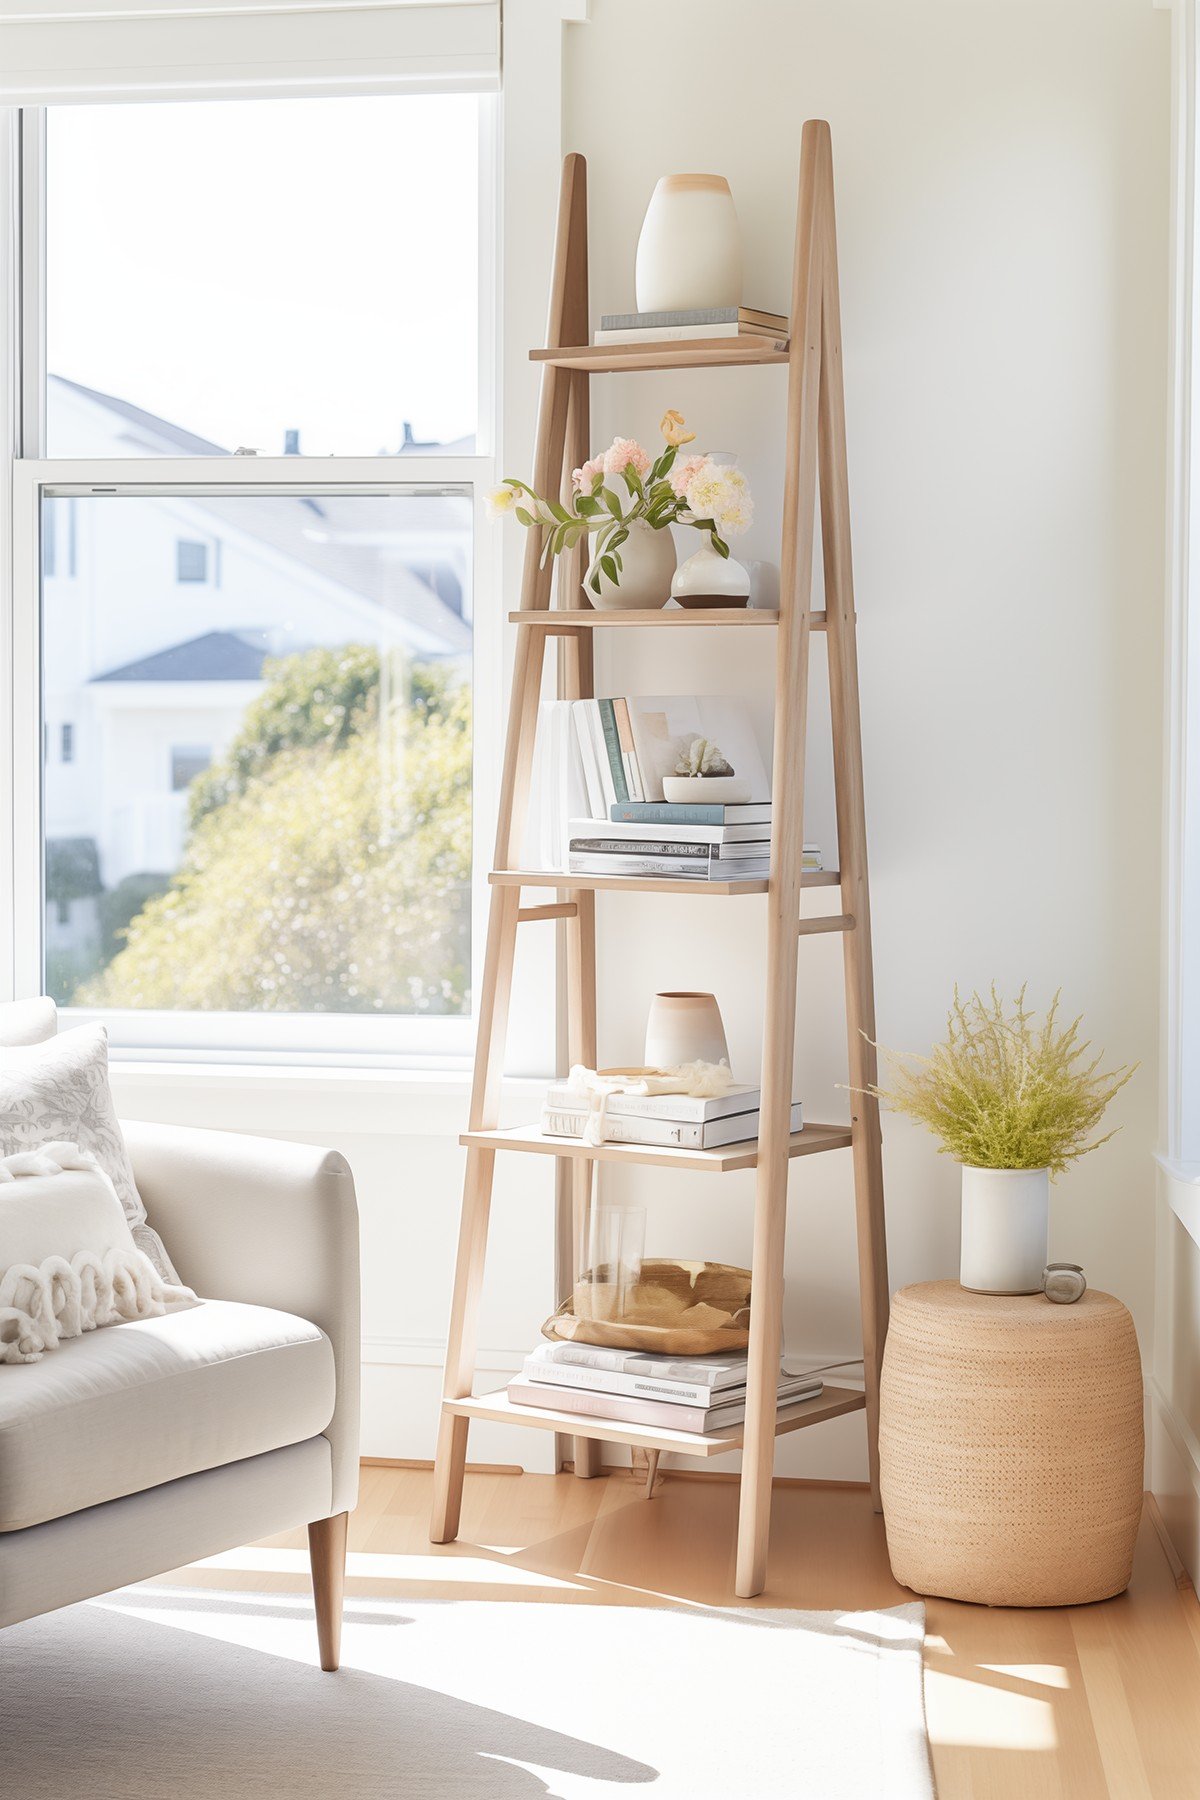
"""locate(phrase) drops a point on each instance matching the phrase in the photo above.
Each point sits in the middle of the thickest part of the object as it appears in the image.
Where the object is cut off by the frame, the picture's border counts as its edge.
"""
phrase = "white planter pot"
(1005, 1230)
(707, 579)
(690, 251)
(684, 1028)
(647, 565)
(705, 790)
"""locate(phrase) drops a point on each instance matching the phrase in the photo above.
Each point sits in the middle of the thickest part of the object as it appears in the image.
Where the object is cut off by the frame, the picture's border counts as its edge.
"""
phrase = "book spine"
(587, 754)
(694, 315)
(602, 846)
(633, 773)
(675, 334)
(612, 745)
(665, 812)
(625, 1129)
(620, 1407)
(636, 1362)
(675, 1109)
(670, 866)
(608, 1381)
(596, 726)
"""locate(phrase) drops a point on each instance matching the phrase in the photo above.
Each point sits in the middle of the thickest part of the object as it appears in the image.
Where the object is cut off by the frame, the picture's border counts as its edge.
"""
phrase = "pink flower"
(625, 453)
(685, 472)
(585, 479)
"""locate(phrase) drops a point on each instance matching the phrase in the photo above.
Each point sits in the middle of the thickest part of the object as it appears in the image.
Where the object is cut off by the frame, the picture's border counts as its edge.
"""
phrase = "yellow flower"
(672, 429)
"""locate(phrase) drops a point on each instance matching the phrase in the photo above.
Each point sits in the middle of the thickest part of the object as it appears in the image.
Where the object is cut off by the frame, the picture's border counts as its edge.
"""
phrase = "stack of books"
(699, 1394)
(660, 838)
(696, 322)
(679, 1121)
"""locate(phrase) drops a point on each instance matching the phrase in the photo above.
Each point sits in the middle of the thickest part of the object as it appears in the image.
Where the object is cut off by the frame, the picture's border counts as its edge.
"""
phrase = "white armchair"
(150, 1444)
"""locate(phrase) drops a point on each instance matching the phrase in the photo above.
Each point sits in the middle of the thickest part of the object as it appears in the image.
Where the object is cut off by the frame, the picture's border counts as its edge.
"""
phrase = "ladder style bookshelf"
(816, 463)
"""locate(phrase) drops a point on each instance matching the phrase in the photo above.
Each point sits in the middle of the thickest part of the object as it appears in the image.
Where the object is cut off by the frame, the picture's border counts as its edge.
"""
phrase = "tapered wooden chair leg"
(327, 1554)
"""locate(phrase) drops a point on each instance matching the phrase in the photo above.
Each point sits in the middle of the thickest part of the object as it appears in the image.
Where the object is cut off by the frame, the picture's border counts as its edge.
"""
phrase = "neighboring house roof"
(152, 432)
(215, 656)
(338, 539)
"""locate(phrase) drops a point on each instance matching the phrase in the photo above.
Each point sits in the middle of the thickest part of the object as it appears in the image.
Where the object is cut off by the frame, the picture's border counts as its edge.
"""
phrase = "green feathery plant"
(1003, 1092)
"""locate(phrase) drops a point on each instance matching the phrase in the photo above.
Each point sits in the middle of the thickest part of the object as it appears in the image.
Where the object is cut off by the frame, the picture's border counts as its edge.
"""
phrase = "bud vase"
(707, 579)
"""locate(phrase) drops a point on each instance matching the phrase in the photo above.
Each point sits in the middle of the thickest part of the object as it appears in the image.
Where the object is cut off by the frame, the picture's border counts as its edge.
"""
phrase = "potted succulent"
(1015, 1103)
(626, 503)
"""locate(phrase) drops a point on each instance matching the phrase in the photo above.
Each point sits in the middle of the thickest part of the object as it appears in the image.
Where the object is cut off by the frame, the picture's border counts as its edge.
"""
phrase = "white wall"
(1002, 194)
(1001, 173)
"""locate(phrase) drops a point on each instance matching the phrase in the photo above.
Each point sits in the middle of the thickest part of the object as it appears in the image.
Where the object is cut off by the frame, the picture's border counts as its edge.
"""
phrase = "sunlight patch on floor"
(1051, 1675)
(476, 1571)
(970, 1714)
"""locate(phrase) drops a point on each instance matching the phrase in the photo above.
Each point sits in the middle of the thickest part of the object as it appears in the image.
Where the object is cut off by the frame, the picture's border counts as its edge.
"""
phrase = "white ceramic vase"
(690, 251)
(647, 565)
(707, 579)
(1005, 1230)
(684, 1028)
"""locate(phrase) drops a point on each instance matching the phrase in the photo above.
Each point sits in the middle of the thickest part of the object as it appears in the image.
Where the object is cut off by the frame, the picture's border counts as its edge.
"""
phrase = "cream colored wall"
(1002, 190)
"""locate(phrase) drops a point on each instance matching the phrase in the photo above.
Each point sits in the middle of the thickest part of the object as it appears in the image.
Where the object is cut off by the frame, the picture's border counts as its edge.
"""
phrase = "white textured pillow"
(68, 1262)
(58, 1091)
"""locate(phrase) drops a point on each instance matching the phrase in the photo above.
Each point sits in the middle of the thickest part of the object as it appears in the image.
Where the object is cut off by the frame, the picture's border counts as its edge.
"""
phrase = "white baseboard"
(1174, 1457)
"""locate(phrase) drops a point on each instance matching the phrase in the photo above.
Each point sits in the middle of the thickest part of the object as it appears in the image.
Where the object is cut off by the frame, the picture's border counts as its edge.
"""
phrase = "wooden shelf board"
(648, 884)
(499, 1408)
(571, 618)
(687, 353)
(809, 1142)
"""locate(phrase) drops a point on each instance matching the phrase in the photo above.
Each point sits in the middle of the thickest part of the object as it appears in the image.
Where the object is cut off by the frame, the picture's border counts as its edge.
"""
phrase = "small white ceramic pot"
(708, 579)
(1005, 1230)
(647, 565)
(690, 251)
(705, 790)
(684, 1028)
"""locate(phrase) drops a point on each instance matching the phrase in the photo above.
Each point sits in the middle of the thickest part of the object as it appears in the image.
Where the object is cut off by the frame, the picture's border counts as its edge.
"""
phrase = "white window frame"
(301, 1038)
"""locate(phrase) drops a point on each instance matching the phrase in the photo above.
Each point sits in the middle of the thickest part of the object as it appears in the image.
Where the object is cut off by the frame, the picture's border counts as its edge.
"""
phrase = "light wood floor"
(1089, 1703)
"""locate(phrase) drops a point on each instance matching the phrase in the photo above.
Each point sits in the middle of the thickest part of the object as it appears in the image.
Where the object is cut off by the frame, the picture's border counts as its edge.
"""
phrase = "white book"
(641, 1410)
(587, 751)
(669, 334)
(685, 1108)
(671, 867)
(618, 1128)
(719, 1369)
(652, 1387)
(720, 836)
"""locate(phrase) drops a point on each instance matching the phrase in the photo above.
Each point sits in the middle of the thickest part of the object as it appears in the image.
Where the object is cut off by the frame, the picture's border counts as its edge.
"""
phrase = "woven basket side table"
(1011, 1446)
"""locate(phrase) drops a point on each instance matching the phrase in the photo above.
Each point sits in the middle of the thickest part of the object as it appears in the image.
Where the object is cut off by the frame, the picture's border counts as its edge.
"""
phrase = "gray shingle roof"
(215, 656)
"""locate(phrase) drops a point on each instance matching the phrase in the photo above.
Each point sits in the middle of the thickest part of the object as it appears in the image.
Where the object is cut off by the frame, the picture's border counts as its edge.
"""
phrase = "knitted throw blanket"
(68, 1262)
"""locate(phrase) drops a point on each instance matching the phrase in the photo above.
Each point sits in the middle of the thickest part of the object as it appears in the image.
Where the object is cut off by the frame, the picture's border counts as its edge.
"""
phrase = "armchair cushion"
(123, 1410)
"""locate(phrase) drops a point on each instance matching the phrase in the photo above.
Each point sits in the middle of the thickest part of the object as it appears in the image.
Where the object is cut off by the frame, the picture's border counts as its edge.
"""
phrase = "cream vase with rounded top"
(689, 254)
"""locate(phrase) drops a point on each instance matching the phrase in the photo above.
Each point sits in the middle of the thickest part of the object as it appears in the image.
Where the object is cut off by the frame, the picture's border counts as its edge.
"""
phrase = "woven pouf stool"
(1010, 1446)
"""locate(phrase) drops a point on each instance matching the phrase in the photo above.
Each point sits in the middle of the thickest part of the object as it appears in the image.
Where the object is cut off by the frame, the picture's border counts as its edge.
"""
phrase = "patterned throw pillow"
(59, 1090)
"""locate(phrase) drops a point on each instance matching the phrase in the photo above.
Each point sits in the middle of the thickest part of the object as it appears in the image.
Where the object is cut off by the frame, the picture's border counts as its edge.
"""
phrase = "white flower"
(735, 516)
(500, 500)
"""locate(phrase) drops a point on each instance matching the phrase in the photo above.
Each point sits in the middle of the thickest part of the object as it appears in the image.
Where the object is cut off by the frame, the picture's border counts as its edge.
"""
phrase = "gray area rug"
(158, 1693)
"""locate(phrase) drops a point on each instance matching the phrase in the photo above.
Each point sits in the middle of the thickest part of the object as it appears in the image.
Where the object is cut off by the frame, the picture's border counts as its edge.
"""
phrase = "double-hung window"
(251, 336)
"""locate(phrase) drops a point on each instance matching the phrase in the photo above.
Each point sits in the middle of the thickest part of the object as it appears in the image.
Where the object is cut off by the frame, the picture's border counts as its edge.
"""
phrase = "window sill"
(309, 1098)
